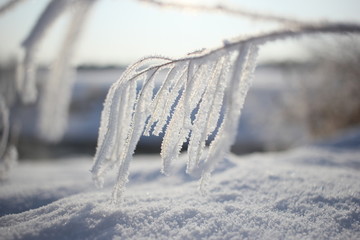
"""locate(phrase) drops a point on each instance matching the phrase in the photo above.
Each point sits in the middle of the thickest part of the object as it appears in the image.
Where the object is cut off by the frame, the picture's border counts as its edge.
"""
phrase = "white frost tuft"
(188, 104)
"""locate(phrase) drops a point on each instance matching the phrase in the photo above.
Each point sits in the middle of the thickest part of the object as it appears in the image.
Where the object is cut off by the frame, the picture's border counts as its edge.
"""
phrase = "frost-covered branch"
(194, 91)
(256, 16)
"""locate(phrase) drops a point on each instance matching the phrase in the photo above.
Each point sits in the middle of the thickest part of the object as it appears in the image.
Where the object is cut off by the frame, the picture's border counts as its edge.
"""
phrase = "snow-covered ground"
(311, 192)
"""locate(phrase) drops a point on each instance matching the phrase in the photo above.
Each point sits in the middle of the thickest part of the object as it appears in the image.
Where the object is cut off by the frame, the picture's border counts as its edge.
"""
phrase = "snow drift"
(311, 192)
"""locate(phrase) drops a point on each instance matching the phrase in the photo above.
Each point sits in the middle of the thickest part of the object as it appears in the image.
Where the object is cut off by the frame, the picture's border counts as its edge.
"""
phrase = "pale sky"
(122, 31)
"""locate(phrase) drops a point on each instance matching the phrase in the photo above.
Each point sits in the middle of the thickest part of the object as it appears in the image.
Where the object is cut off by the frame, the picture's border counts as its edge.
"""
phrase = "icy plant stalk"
(194, 91)
(240, 82)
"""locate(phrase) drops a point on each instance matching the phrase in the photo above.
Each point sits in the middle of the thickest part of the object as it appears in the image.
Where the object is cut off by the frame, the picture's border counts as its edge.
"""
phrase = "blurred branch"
(8, 5)
(4, 111)
(228, 10)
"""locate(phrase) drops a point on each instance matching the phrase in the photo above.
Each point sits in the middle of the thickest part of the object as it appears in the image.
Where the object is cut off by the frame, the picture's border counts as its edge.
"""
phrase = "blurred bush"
(326, 91)
(7, 80)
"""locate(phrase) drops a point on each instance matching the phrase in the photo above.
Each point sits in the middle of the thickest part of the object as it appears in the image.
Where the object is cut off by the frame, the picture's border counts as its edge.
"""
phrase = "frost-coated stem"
(239, 84)
(137, 127)
(115, 104)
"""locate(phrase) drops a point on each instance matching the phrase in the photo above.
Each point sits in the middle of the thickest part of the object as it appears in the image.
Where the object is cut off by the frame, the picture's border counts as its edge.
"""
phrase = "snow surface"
(312, 192)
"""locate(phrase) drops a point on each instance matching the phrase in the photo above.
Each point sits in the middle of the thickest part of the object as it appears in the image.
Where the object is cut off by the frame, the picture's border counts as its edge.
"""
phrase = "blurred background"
(304, 90)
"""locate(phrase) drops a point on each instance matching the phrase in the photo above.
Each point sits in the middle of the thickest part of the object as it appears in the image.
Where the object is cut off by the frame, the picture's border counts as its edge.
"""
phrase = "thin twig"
(343, 28)
(228, 10)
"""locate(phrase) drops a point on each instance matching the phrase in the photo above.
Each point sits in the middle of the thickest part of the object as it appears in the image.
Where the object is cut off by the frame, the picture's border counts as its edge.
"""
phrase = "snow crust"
(311, 192)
